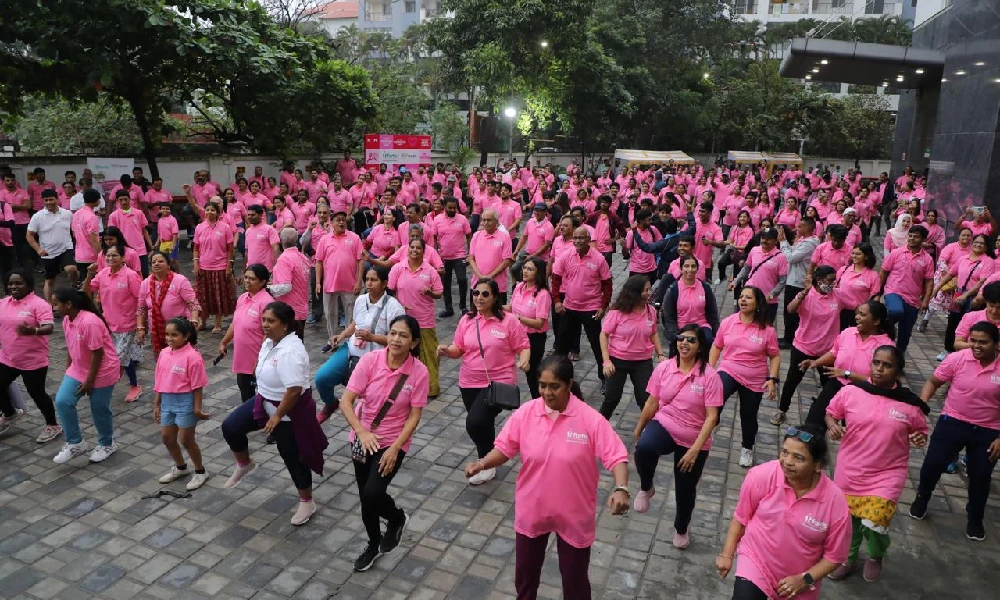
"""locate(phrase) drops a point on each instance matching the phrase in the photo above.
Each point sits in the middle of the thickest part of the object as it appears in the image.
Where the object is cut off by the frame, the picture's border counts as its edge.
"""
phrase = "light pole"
(510, 112)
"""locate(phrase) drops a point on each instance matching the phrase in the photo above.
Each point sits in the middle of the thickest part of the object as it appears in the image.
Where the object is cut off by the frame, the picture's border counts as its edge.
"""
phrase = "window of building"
(874, 7)
(410, 6)
(745, 7)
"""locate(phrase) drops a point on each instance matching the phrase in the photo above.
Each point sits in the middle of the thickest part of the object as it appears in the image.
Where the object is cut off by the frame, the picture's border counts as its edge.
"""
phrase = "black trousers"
(456, 266)
(639, 371)
(608, 257)
(744, 589)
(557, 326)
(817, 412)
(794, 377)
(729, 257)
(950, 436)
(376, 503)
(6, 265)
(651, 276)
(749, 407)
(791, 319)
(24, 254)
(34, 383)
(537, 341)
(655, 442)
(240, 422)
(480, 420)
(247, 384)
(954, 318)
(570, 324)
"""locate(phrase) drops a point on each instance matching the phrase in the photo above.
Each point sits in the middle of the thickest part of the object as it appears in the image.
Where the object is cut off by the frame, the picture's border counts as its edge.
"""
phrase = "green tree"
(858, 126)
(59, 127)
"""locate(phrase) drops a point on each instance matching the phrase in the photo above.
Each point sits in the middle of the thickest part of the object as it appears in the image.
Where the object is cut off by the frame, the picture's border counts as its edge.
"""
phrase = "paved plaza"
(83, 530)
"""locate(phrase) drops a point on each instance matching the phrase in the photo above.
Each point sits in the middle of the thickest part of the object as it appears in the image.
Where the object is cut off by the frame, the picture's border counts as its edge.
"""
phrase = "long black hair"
(112, 231)
(760, 304)
(562, 368)
(881, 314)
(79, 301)
(541, 274)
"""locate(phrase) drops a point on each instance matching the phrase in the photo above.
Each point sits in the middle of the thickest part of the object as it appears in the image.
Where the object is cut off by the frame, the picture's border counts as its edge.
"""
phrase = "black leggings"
(240, 422)
(730, 257)
(480, 422)
(376, 503)
(247, 384)
(537, 341)
(639, 371)
(954, 318)
(34, 383)
(794, 377)
(744, 589)
(749, 406)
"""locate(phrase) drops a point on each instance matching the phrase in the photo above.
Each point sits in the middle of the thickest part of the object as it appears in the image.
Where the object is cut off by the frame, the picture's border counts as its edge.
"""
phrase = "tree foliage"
(56, 126)
(858, 126)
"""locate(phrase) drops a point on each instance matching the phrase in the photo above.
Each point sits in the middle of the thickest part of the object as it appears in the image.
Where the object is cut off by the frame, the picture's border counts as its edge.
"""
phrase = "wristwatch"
(808, 580)
(847, 374)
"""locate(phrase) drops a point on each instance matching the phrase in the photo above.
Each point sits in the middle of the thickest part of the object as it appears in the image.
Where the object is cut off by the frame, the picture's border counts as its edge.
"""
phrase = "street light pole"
(510, 112)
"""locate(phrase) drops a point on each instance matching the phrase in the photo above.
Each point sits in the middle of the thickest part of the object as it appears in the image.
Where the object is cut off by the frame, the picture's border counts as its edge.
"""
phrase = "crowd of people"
(371, 253)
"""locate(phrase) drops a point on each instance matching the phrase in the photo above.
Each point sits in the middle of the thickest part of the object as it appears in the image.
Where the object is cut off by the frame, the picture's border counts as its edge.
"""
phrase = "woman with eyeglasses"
(791, 527)
(628, 340)
(681, 410)
(947, 260)
(970, 272)
(531, 304)
(746, 354)
(492, 344)
(883, 420)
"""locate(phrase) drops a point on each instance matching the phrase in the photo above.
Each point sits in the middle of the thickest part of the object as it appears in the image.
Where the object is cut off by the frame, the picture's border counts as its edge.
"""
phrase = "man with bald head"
(290, 279)
(490, 254)
(585, 278)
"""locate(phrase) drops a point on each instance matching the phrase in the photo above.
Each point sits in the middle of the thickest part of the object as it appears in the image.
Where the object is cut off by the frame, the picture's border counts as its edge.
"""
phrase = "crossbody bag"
(497, 395)
(358, 453)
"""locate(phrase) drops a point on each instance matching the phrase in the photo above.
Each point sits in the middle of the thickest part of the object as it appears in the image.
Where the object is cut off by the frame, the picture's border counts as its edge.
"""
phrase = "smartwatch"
(808, 580)
(847, 374)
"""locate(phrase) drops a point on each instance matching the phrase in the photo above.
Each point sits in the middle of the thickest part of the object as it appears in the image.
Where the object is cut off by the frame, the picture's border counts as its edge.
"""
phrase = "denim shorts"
(177, 409)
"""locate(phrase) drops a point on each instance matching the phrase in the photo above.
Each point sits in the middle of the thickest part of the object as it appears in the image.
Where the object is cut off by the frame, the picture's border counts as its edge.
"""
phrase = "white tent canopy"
(653, 157)
(739, 157)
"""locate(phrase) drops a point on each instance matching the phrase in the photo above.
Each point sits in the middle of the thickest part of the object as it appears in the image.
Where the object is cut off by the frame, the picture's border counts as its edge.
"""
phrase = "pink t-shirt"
(248, 336)
(629, 333)
(383, 240)
(451, 235)
(974, 395)
(875, 450)
(260, 240)
(502, 341)
(85, 335)
(213, 242)
(131, 259)
(408, 285)
(968, 320)
(853, 288)
(340, 201)
(302, 212)
(675, 269)
(85, 223)
(24, 352)
(489, 250)
(292, 268)
(133, 224)
(561, 246)
(178, 301)
(826, 254)
(640, 261)
(581, 279)
(119, 294)
(907, 272)
(283, 218)
(403, 231)
(741, 236)
(746, 349)
(534, 304)
(785, 535)
(683, 400)
(969, 271)
(179, 371)
(151, 199)
(712, 232)
(431, 257)
(789, 218)
(372, 380)
(539, 233)
(952, 252)
(16, 198)
(819, 323)
(766, 277)
(509, 214)
(691, 304)
(340, 255)
(557, 484)
(166, 228)
(851, 353)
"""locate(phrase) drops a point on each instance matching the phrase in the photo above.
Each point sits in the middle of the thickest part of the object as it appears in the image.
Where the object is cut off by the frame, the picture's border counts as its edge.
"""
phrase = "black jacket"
(668, 312)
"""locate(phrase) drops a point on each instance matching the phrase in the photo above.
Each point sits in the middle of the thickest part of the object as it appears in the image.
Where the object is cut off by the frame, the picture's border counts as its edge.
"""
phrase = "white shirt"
(364, 313)
(280, 367)
(52, 231)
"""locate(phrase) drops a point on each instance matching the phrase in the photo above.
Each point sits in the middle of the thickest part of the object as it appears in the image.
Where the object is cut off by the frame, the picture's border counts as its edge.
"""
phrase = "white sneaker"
(71, 451)
(101, 453)
(746, 457)
(482, 477)
(197, 480)
(942, 355)
(717, 281)
(174, 474)
(303, 513)
(239, 473)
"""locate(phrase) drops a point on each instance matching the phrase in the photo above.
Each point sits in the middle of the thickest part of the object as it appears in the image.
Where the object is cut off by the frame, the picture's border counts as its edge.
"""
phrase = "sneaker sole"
(976, 539)
(368, 566)
(402, 529)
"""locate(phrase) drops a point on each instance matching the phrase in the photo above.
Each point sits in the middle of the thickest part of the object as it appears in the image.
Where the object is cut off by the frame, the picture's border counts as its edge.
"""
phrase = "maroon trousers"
(574, 564)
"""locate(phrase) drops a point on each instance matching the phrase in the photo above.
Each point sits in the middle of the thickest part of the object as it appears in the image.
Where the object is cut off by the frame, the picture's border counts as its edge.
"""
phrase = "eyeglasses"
(687, 338)
(804, 436)
(478, 293)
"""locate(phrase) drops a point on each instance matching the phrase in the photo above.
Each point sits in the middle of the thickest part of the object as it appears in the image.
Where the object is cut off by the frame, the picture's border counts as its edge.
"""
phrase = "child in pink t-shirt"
(180, 380)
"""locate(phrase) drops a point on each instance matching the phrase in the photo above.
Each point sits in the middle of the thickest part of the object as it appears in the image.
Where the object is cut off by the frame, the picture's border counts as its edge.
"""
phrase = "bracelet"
(621, 488)
(726, 556)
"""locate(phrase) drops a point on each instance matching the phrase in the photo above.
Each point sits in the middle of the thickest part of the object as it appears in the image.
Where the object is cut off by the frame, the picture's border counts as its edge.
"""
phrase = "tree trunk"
(148, 143)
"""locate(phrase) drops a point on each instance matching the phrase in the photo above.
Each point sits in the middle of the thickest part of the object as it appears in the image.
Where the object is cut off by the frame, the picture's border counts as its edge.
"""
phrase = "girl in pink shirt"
(383, 239)
(416, 285)
(884, 420)
(791, 527)
(558, 437)
(93, 371)
(531, 304)
(628, 339)
(180, 379)
(680, 412)
(492, 344)
(246, 332)
(112, 236)
(857, 282)
(745, 352)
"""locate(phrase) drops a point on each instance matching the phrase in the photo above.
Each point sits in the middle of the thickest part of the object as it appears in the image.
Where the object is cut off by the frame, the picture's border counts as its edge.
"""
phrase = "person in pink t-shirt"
(213, 266)
(453, 233)
(969, 274)
(93, 371)
(490, 253)
(907, 281)
(629, 337)
(641, 262)
(339, 268)
(766, 269)
(85, 226)
(884, 419)
(290, 280)
(163, 296)
(245, 332)
(416, 285)
(261, 239)
(180, 381)
(492, 344)
(970, 419)
(792, 525)
(531, 304)
(390, 387)
(132, 223)
(991, 296)
(682, 406)
(745, 352)
(857, 282)
(735, 251)
(558, 437)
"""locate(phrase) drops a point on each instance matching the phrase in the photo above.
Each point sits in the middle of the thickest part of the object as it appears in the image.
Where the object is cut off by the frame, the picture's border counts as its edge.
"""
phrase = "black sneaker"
(367, 558)
(604, 387)
(784, 345)
(393, 534)
(918, 510)
(270, 439)
(326, 349)
(975, 531)
(444, 314)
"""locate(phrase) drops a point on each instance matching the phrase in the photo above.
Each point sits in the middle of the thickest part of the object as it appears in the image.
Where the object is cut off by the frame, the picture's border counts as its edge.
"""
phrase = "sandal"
(216, 330)
(778, 418)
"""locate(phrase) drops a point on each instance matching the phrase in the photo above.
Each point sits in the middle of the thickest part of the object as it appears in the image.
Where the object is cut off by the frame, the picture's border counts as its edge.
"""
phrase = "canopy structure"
(782, 158)
(742, 157)
(652, 157)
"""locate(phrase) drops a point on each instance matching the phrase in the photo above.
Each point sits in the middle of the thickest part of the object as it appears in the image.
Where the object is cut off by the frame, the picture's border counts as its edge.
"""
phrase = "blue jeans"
(331, 374)
(100, 410)
(177, 409)
(904, 316)
(951, 435)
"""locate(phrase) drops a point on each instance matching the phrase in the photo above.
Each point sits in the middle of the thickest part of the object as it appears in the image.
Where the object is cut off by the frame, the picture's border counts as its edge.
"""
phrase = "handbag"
(497, 395)
(358, 453)
(966, 305)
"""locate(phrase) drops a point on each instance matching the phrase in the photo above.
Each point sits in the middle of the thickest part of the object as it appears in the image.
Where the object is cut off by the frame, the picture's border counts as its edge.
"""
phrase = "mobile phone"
(978, 210)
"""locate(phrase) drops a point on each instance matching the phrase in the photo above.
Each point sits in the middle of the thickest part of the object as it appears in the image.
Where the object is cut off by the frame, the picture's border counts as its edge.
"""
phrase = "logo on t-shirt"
(898, 415)
(995, 379)
(498, 333)
(177, 369)
(756, 339)
(574, 437)
(697, 388)
(24, 313)
(811, 522)
(252, 312)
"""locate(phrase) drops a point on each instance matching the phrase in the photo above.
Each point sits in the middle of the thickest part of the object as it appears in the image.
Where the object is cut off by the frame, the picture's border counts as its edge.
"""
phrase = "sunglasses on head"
(687, 338)
(483, 293)
(804, 436)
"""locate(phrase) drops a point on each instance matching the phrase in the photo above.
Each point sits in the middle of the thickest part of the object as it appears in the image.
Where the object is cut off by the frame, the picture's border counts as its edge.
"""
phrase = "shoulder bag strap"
(378, 311)
(971, 272)
(388, 403)
(762, 263)
(481, 353)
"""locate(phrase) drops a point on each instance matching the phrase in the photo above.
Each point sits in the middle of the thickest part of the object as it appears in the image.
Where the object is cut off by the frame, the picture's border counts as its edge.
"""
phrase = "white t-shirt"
(364, 313)
(52, 231)
(280, 367)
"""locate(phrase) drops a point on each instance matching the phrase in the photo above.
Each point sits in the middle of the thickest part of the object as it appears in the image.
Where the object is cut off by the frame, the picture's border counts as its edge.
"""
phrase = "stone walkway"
(83, 531)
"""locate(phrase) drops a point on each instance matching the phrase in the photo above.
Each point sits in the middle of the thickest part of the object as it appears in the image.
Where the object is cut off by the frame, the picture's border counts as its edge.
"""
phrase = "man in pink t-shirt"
(261, 239)
(767, 270)
(490, 253)
(85, 225)
(290, 279)
(907, 277)
(339, 273)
